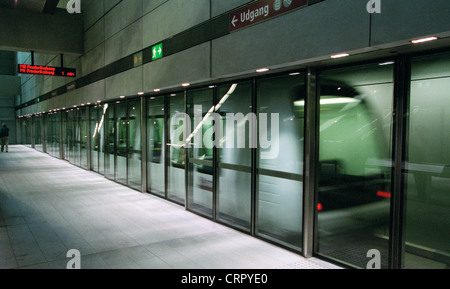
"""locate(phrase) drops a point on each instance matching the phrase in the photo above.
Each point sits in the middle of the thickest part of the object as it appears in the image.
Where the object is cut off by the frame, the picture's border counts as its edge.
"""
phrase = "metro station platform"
(48, 207)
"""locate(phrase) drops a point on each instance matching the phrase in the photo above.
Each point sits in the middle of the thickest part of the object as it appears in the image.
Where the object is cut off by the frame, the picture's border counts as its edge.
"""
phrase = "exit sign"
(157, 51)
(47, 70)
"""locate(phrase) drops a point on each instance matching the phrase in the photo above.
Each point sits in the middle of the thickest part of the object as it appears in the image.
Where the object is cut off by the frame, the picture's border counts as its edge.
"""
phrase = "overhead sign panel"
(47, 70)
(262, 10)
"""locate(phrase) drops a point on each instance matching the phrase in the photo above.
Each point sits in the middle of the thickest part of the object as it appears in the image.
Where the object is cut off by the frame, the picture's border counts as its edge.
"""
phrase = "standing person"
(4, 135)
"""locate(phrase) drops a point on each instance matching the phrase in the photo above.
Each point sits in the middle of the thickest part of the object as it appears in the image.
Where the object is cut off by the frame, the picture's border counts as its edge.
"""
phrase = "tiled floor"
(48, 207)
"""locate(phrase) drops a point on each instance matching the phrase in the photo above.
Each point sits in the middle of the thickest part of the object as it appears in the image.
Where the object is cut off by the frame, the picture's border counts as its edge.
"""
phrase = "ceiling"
(37, 6)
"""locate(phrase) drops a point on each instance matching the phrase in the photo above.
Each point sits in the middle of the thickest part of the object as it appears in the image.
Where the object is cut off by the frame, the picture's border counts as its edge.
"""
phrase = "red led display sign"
(47, 70)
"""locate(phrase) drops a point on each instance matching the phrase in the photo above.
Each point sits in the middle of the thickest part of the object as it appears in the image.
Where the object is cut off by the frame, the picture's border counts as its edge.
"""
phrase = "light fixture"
(294, 73)
(122, 96)
(340, 55)
(98, 101)
(261, 70)
(186, 84)
(140, 93)
(156, 90)
(422, 40)
(386, 63)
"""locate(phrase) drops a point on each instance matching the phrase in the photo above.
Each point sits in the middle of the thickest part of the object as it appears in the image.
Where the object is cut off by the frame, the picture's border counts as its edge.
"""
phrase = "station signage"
(47, 70)
(262, 10)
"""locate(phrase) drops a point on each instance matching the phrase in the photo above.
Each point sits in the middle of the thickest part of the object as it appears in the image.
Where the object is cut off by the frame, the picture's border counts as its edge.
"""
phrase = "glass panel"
(280, 159)
(102, 120)
(356, 106)
(176, 177)
(234, 167)
(155, 154)
(38, 133)
(110, 141)
(121, 142)
(83, 137)
(200, 172)
(134, 144)
(95, 136)
(428, 165)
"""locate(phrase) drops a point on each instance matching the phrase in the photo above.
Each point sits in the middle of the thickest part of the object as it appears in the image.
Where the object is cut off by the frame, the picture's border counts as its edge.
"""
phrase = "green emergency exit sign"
(157, 51)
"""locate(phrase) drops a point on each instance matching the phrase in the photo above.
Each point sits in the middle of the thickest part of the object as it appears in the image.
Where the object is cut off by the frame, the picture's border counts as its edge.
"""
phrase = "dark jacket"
(4, 131)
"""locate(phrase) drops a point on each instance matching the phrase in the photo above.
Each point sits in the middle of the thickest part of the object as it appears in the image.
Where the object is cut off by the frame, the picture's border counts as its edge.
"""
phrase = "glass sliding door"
(427, 177)
(234, 177)
(95, 136)
(280, 159)
(83, 123)
(156, 146)
(200, 154)
(354, 170)
(121, 142)
(110, 140)
(134, 144)
(176, 148)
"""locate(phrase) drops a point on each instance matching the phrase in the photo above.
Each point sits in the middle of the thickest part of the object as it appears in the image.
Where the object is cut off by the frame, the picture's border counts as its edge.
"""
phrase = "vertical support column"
(186, 153)
(215, 191)
(43, 133)
(166, 147)
(254, 165)
(144, 144)
(402, 75)
(88, 141)
(60, 133)
(32, 133)
(310, 169)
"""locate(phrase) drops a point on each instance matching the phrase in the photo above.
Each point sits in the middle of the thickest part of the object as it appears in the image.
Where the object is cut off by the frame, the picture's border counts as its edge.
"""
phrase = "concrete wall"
(118, 28)
(9, 89)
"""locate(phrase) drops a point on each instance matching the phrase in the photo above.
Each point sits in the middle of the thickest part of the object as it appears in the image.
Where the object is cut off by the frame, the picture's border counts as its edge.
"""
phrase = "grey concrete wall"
(9, 89)
(56, 33)
(114, 29)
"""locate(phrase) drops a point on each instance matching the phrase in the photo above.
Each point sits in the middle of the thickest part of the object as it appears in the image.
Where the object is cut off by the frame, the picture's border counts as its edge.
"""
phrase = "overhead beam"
(58, 33)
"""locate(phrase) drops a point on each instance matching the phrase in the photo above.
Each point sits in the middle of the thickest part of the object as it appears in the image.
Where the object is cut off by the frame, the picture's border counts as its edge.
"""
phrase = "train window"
(155, 154)
(280, 159)
(354, 162)
(428, 165)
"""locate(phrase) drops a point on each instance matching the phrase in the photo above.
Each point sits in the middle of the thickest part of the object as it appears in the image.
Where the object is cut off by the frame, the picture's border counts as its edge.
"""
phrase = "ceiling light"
(386, 63)
(122, 96)
(186, 84)
(156, 90)
(140, 93)
(422, 40)
(261, 70)
(340, 55)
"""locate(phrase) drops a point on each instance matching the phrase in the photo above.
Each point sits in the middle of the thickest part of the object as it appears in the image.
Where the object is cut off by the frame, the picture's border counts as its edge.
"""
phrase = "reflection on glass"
(83, 137)
(234, 166)
(134, 144)
(155, 154)
(109, 143)
(354, 163)
(121, 142)
(200, 169)
(280, 159)
(95, 137)
(176, 178)
(427, 244)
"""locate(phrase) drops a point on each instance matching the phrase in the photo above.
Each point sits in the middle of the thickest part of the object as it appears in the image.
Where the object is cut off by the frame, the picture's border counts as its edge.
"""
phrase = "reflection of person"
(4, 135)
